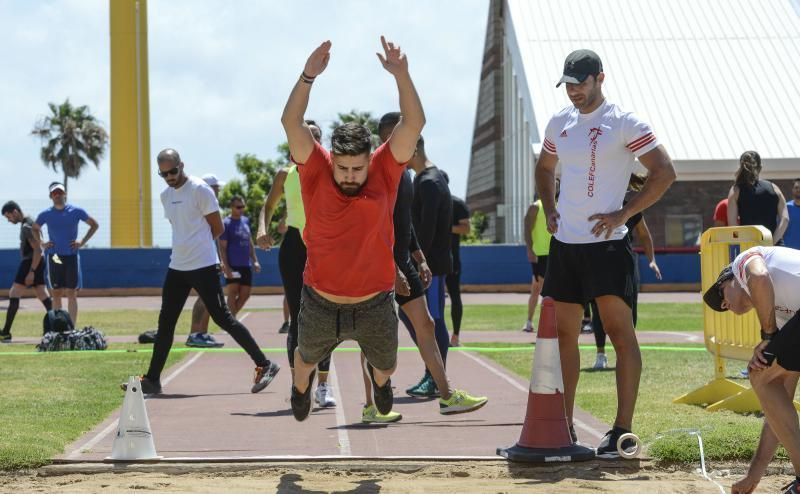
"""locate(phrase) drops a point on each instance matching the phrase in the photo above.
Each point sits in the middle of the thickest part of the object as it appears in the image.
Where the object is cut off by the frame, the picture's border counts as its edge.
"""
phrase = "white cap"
(57, 186)
(212, 180)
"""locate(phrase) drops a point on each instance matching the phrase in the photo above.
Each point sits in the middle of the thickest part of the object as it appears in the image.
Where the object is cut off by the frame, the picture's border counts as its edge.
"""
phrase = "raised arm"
(263, 237)
(301, 142)
(403, 142)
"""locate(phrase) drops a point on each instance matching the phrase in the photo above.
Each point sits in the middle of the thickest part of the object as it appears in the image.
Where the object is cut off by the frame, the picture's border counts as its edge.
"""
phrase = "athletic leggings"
(597, 324)
(453, 282)
(434, 296)
(292, 263)
(174, 293)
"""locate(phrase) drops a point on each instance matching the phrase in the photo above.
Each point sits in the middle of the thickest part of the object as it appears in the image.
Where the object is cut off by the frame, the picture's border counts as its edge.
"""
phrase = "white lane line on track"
(687, 337)
(516, 384)
(341, 420)
(241, 319)
(88, 445)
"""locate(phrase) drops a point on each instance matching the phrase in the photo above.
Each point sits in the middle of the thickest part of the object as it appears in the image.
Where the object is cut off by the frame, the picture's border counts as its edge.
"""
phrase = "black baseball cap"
(713, 296)
(579, 65)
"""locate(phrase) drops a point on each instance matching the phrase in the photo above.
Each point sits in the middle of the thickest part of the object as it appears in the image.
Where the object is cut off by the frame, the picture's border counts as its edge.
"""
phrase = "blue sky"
(220, 72)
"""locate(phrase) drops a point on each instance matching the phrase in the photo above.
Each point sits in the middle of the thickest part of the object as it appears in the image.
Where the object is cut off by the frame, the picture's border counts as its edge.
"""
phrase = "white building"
(713, 77)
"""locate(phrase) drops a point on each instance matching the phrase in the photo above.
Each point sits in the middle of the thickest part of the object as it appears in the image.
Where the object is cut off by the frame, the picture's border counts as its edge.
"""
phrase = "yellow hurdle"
(727, 336)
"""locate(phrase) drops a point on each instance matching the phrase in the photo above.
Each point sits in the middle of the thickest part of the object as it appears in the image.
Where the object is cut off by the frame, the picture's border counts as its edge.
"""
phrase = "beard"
(350, 189)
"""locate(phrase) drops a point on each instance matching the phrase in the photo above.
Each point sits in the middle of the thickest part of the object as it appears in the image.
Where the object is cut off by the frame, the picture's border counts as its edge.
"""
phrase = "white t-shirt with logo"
(186, 207)
(783, 265)
(597, 152)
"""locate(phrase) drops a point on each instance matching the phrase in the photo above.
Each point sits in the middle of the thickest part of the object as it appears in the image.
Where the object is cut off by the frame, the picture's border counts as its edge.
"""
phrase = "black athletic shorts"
(539, 267)
(64, 271)
(245, 278)
(578, 273)
(414, 281)
(786, 345)
(25, 267)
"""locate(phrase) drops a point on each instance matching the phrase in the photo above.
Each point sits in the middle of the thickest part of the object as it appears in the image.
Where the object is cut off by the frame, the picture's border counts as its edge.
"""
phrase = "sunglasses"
(238, 207)
(171, 171)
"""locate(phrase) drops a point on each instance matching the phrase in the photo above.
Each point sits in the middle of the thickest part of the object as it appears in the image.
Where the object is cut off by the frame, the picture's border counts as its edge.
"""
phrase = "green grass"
(110, 322)
(727, 436)
(50, 400)
(652, 317)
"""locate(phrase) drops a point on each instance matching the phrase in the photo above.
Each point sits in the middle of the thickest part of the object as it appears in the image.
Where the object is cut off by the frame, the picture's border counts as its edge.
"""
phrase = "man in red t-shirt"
(350, 271)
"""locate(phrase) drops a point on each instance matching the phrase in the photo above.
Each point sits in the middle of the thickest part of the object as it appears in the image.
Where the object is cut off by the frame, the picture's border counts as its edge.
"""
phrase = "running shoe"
(528, 327)
(586, 326)
(323, 396)
(792, 487)
(425, 389)
(5, 337)
(301, 402)
(461, 402)
(608, 445)
(370, 415)
(284, 328)
(382, 395)
(264, 376)
(149, 387)
(601, 362)
(454, 341)
(202, 340)
(414, 387)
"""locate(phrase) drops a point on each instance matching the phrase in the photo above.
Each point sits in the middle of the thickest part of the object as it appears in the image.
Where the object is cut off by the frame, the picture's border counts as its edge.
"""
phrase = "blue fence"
(481, 265)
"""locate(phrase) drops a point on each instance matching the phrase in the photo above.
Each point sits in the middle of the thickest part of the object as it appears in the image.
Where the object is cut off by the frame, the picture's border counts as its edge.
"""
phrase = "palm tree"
(361, 117)
(71, 137)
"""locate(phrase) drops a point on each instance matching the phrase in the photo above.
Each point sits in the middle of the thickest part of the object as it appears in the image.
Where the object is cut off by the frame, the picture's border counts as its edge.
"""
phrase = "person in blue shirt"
(792, 236)
(62, 258)
(238, 255)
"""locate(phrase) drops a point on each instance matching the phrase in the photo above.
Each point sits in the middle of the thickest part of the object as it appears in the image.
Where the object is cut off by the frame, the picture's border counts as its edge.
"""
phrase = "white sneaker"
(323, 396)
(601, 362)
(527, 328)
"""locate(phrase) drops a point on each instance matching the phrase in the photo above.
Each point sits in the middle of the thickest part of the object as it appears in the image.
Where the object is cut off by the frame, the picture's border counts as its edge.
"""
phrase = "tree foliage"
(479, 222)
(71, 138)
(361, 117)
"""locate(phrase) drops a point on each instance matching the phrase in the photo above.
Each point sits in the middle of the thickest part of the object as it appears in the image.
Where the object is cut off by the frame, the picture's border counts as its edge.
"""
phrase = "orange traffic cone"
(545, 434)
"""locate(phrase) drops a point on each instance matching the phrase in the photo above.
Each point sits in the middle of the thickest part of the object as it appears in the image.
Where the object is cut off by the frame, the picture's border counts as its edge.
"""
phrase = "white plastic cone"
(134, 439)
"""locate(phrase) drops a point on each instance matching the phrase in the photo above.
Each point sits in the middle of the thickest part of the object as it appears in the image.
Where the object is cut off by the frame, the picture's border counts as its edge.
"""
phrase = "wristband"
(766, 336)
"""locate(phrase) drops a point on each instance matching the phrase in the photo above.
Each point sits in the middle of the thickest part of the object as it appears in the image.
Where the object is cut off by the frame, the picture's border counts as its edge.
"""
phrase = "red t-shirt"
(721, 211)
(349, 239)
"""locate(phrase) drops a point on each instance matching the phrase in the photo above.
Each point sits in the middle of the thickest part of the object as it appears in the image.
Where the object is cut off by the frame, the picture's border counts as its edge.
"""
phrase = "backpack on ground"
(58, 321)
(148, 337)
(87, 338)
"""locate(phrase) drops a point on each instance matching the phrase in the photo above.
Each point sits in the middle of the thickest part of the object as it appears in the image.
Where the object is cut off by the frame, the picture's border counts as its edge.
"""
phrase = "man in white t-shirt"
(193, 211)
(767, 279)
(590, 256)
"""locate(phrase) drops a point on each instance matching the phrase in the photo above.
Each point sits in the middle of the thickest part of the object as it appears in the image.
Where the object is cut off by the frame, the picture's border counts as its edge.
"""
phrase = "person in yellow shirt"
(537, 242)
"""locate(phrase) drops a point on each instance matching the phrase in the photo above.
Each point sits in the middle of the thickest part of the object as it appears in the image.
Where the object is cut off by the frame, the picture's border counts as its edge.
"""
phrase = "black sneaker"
(284, 328)
(608, 445)
(5, 337)
(382, 395)
(264, 376)
(792, 487)
(148, 387)
(301, 402)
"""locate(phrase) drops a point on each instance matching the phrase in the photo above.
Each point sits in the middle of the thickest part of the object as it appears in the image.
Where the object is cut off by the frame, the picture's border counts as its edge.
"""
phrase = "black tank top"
(758, 205)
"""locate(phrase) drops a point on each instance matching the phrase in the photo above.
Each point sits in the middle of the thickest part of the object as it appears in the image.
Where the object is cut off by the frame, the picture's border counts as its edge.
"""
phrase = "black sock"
(48, 303)
(13, 305)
